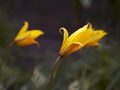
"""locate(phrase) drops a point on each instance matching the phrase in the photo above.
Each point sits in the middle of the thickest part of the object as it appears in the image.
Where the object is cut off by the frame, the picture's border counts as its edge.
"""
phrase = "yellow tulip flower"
(25, 37)
(85, 36)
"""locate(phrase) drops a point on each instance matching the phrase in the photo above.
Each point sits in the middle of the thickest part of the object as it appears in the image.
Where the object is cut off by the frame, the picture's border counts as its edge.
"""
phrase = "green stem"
(4, 53)
(54, 73)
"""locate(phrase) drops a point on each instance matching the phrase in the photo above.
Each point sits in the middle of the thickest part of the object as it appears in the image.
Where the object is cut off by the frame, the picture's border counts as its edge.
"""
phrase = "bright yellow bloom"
(25, 37)
(85, 36)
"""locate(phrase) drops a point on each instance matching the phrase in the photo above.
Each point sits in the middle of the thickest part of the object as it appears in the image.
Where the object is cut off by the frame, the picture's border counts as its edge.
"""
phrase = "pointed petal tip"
(39, 31)
(105, 33)
(42, 33)
(89, 25)
(26, 23)
(62, 29)
(37, 43)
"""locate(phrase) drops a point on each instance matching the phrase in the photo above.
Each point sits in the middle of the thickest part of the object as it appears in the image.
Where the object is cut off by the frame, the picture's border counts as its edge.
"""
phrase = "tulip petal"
(25, 37)
(22, 31)
(99, 34)
(89, 26)
(24, 42)
(37, 43)
(65, 37)
(29, 38)
(72, 48)
(22, 36)
(80, 30)
(24, 28)
(35, 33)
(82, 34)
(85, 36)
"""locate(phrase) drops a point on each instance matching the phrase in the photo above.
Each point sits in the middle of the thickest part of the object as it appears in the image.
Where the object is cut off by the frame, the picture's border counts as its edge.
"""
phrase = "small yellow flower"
(25, 37)
(85, 36)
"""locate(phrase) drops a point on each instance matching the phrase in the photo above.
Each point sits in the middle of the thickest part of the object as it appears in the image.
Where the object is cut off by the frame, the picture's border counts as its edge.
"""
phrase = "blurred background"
(91, 68)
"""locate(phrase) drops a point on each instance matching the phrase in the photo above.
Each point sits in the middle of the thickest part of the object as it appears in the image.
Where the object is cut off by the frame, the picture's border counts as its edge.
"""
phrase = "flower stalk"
(5, 52)
(54, 73)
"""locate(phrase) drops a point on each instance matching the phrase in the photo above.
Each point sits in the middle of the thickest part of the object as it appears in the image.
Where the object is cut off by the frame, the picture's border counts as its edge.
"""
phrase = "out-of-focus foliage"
(6, 30)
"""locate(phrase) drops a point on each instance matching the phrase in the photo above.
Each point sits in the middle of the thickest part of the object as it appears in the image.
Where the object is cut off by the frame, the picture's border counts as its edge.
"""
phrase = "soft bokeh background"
(91, 68)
